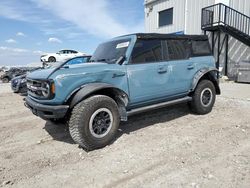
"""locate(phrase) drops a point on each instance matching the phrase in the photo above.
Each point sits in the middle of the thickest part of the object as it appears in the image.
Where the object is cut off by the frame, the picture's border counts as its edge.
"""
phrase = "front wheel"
(94, 122)
(203, 97)
(5, 80)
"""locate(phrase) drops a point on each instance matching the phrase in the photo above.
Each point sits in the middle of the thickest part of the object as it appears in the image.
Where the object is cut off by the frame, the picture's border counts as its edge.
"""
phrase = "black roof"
(169, 36)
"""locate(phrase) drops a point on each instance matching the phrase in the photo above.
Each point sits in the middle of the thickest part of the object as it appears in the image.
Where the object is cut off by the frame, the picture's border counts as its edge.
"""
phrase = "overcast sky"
(31, 27)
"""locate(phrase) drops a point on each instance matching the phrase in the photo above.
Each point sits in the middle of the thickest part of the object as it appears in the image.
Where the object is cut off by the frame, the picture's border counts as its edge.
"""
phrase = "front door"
(147, 72)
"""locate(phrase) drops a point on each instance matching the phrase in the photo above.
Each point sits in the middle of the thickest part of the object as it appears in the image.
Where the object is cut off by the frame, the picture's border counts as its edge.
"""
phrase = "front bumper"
(46, 111)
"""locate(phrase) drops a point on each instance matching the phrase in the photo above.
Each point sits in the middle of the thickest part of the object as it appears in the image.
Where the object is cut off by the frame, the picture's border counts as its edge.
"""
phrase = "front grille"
(34, 83)
(35, 88)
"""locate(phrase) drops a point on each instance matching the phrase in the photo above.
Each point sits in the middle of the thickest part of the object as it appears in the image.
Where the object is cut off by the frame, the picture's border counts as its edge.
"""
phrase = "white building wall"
(186, 15)
(242, 6)
(193, 14)
(152, 12)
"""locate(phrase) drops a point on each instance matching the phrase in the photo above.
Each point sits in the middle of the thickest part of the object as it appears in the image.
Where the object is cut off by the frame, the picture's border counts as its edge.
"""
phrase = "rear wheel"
(94, 122)
(203, 97)
(52, 59)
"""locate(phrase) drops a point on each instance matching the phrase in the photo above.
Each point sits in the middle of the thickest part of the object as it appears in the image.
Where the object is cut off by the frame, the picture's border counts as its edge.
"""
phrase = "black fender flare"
(120, 97)
(211, 74)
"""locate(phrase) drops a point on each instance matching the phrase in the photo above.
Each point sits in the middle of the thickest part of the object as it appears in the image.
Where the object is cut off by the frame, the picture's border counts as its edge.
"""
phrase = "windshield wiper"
(98, 60)
(104, 60)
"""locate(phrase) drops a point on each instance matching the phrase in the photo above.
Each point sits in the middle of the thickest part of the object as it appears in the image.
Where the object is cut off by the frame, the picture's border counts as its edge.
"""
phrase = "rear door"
(147, 72)
(181, 66)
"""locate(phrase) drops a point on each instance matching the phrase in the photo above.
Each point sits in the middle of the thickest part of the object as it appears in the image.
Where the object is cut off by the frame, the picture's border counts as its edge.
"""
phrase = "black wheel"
(203, 97)
(94, 122)
(52, 59)
(5, 80)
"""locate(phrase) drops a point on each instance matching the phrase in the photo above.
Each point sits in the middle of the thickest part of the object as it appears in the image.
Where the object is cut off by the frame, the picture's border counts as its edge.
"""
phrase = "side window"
(85, 59)
(201, 48)
(78, 60)
(75, 61)
(177, 49)
(146, 51)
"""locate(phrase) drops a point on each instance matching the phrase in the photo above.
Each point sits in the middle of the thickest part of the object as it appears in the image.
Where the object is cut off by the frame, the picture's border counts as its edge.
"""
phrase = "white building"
(186, 17)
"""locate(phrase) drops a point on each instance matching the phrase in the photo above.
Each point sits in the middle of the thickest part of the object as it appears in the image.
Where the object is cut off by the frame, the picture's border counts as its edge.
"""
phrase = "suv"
(125, 76)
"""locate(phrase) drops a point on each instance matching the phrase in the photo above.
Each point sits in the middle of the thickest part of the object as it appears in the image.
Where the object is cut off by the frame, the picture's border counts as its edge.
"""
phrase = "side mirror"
(120, 60)
(65, 67)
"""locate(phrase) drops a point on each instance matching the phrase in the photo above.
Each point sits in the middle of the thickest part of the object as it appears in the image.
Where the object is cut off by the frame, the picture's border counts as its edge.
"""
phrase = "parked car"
(19, 83)
(12, 73)
(127, 75)
(1, 72)
(62, 55)
(75, 60)
(4, 69)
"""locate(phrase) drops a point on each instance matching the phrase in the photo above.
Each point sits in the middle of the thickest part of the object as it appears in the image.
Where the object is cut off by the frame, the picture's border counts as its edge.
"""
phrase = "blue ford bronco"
(125, 76)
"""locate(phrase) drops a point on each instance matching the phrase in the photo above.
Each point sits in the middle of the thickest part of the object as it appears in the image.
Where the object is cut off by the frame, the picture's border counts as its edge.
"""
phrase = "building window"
(166, 17)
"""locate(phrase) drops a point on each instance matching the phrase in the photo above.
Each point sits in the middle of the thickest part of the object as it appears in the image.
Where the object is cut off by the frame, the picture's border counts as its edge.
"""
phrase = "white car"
(61, 55)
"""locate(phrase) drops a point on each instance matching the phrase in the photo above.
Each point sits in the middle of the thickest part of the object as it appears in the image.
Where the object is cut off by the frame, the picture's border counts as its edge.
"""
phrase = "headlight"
(45, 90)
(41, 89)
(23, 80)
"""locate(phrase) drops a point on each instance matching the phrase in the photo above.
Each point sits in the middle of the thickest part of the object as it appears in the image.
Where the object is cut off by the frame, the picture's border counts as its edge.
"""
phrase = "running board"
(159, 105)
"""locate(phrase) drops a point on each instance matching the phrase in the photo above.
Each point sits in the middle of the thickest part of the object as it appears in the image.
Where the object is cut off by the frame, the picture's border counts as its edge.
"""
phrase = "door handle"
(118, 75)
(190, 67)
(162, 70)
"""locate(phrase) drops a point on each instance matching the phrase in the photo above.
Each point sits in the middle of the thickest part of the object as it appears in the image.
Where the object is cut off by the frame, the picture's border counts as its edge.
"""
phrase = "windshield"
(110, 52)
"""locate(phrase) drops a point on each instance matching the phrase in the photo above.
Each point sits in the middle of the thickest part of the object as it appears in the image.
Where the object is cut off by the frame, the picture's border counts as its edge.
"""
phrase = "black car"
(19, 84)
(12, 73)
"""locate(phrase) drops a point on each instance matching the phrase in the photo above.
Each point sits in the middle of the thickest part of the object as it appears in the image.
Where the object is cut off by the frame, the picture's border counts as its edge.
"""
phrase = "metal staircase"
(221, 18)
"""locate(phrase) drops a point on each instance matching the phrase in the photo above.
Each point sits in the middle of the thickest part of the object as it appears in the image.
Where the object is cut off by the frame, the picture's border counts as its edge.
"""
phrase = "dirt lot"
(165, 148)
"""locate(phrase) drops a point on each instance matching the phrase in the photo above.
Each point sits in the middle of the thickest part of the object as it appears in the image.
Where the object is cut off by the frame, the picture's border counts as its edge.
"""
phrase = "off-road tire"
(196, 105)
(80, 121)
(52, 59)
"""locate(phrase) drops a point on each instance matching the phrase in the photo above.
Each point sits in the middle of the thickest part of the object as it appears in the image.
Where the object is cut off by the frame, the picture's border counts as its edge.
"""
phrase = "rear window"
(177, 49)
(201, 48)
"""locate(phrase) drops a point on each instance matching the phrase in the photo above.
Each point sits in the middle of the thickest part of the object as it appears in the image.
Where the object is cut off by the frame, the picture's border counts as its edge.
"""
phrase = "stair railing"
(222, 15)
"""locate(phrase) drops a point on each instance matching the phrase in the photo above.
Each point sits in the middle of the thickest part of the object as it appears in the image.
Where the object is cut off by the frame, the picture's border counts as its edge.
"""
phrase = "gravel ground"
(165, 148)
